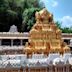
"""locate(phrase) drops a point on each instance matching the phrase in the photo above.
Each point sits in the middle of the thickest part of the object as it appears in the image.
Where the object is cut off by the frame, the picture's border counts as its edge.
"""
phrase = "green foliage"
(11, 12)
(65, 29)
(30, 7)
(22, 14)
(58, 24)
(29, 18)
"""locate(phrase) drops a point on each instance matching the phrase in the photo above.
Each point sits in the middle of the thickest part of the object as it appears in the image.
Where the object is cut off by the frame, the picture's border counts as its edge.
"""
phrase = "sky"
(61, 10)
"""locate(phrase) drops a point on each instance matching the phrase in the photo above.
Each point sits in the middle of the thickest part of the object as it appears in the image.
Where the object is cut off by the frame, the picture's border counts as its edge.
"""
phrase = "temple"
(45, 50)
(45, 37)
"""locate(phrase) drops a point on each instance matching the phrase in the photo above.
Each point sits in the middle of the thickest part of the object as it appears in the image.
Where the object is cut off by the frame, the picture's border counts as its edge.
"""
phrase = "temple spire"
(45, 36)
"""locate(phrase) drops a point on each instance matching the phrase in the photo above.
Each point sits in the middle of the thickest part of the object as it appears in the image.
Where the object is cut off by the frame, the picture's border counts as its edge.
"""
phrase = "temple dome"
(13, 28)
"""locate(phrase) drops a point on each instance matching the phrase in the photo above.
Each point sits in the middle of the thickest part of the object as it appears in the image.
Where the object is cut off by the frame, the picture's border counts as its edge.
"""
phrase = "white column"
(71, 42)
(5, 71)
(18, 70)
(28, 69)
(23, 70)
(21, 42)
(63, 69)
(51, 69)
(11, 42)
(0, 42)
(68, 68)
(55, 69)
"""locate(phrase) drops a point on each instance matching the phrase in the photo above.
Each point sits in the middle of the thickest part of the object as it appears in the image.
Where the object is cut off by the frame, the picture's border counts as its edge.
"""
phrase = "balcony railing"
(11, 48)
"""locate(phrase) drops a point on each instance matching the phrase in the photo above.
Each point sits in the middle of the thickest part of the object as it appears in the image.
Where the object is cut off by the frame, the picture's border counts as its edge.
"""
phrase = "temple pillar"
(0, 42)
(68, 68)
(18, 70)
(24, 70)
(63, 69)
(5, 71)
(46, 70)
(55, 69)
(21, 42)
(11, 42)
(51, 70)
(28, 69)
(70, 42)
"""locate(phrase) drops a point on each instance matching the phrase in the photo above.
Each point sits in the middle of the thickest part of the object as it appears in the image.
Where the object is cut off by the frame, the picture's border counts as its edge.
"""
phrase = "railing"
(66, 33)
(15, 35)
(11, 57)
(26, 35)
(15, 47)
(11, 48)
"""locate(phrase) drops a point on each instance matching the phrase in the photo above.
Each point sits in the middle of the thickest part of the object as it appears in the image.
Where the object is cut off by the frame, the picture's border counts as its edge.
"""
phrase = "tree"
(29, 18)
(3, 6)
(64, 29)
(3, 9)
(31, 6)
(11, 12)
(58, 24)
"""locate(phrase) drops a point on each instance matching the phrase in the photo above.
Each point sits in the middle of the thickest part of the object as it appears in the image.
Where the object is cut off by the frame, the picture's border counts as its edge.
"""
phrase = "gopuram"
(45, 50)
(45, 37)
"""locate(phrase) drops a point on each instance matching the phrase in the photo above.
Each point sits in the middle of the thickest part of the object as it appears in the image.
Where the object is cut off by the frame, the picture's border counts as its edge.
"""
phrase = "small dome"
(13, 28)
(58, 61)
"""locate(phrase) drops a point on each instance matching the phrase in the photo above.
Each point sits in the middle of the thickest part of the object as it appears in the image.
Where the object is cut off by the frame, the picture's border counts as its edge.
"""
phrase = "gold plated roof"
(45, 36)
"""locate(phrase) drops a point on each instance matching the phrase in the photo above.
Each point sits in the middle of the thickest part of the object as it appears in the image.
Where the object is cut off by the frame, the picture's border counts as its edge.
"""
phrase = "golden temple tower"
(45, 37)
